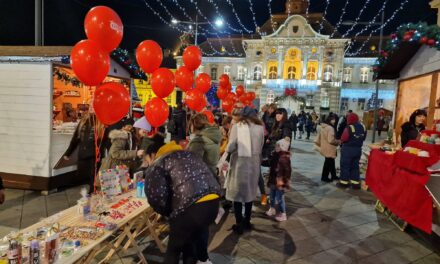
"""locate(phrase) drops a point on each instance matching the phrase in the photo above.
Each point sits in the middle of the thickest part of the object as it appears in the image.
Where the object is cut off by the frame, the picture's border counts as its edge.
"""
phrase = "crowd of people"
(208, 166)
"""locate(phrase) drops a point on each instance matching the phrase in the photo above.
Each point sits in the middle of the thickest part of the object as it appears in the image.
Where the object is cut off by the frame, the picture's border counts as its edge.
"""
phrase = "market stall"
(41, 102)
(405, 181)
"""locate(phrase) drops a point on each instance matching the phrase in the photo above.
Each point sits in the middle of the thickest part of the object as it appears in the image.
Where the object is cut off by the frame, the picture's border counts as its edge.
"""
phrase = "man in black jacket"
(2, 191)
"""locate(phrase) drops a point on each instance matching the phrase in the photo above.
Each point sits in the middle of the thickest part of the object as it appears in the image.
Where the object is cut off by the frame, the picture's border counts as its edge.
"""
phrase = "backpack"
(171, 126)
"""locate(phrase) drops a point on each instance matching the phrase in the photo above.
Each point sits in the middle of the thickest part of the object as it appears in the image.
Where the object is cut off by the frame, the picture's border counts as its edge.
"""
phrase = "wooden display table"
(142, 220)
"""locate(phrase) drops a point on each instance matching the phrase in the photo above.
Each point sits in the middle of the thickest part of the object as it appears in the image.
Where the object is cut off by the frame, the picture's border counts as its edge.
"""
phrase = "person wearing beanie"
(279, 179)
(180, 186)
(352, 140)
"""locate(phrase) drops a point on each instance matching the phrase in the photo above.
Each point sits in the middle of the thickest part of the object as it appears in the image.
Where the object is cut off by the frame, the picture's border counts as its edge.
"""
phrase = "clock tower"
(294, 7)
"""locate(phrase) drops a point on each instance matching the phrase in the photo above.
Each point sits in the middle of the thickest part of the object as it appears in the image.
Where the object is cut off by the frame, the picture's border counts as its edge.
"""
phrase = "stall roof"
(37, 51)
(397, 61)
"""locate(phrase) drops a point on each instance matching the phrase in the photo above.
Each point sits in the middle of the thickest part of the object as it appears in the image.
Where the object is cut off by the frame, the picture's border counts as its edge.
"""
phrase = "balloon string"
(99, 134)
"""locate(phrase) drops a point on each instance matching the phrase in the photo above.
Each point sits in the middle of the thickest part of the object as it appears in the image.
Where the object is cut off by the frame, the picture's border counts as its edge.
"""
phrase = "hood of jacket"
(168, 148)
(213, 133)
(352, 118)
(118, 134)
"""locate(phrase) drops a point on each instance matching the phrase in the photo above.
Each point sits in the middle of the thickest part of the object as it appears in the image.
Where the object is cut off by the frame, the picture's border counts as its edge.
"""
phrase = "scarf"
(244, 140)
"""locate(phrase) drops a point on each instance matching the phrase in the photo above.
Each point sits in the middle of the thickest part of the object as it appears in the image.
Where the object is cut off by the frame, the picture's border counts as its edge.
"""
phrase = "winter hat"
(142, 123)
(126, 121)
(352, 118)
(284, 144)
(248, 112)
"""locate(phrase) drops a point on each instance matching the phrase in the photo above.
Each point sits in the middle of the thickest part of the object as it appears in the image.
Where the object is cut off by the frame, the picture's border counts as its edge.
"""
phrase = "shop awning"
(398, 60)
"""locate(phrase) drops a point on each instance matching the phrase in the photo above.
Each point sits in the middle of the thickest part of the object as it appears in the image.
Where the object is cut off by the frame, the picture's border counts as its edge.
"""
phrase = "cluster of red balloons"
(90, 61)
(229, 98)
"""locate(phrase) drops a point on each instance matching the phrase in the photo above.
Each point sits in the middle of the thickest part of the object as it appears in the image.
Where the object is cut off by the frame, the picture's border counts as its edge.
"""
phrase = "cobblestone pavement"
(325, 225)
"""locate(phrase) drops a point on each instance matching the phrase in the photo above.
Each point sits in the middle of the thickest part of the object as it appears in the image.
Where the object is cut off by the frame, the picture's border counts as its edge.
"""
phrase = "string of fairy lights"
(391, 18)
(243, 29)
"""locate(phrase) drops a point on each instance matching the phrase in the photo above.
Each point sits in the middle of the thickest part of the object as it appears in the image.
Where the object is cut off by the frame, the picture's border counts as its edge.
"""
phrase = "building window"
(361, 104)
(273, 72)
(364, 74)
(311, 73)
(325, 100)
(257, 73)
(270, 97)
(309, 100)
(291, 73)
(328, 73)
(200, 69)
(227, 70)
(213, 73)
(344, 104)
(347, 75)
(240, 73)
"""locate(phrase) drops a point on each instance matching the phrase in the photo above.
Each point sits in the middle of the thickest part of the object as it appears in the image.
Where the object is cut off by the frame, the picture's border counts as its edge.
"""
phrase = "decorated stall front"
(406, 180)
(41, 102)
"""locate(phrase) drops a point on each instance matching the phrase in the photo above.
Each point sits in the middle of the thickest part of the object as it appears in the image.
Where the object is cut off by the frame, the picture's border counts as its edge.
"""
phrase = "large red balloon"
(202, 104)
(156, 112)
(251, 96)
(222, 93)
(224, 80)
(192, 57)
(228, 105)
(194, 98)
(210, 116)
(203, 82)
(232, 96)
(149, 56)
(104, 26)
(243, 98)
(162, 82)
(111, 102)
(239, 90)
(89, 62)
(184, 78)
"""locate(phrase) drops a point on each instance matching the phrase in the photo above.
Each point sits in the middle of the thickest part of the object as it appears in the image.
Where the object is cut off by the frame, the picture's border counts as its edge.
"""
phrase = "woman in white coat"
(245, 145)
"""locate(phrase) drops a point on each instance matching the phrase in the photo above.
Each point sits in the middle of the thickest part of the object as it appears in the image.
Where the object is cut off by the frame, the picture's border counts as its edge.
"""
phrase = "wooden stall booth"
(41, 102)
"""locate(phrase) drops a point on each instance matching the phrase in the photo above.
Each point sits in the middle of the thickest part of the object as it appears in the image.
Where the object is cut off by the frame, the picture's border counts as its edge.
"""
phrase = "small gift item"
(51, 245)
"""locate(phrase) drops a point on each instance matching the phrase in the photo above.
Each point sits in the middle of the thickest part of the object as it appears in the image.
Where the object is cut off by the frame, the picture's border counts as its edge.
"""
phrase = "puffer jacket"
(280, 167)
(206, 144)
(119, 153)
(177, 180)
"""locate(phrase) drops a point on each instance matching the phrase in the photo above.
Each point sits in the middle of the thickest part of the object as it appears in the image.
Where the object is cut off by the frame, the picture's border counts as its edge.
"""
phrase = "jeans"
(238, 211)
(189, 233)
(277, 196)
(329, 168)
(350, 157)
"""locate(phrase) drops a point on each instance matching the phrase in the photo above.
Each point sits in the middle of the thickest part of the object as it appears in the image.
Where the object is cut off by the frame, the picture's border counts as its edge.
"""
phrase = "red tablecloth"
(403, 192)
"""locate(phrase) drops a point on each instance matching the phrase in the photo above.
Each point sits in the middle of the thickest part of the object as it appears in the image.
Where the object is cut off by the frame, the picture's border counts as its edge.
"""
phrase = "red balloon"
(228, 87)
(232, 96)
(194, 98)
(251, 96)
(89, 63)
(239, 90)
(111, 102)
(228, 105)
(103, 25)
(156, 112)
(210, 116)
(149, 56)
(243, 98)
(203, 82)
(224, 80)
(192, 57)
(202, 104)
(184, 78)
(222, 93)
(163, 82)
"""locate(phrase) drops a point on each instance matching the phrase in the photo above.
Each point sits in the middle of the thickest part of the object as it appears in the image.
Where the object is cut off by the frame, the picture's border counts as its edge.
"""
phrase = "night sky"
(64, 18)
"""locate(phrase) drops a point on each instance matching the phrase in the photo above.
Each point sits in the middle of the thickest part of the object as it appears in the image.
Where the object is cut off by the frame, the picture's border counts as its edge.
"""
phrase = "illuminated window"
(347, 75)
(273, 71)
(213, 73)
(344, 104)
(257, 73)
(325, 100)
(240, 73)
(364, 74)
(227, 70)
(291, 73)
(309, 100)
(311, 73)
(361, 104)
(328, 73)
(270, 97)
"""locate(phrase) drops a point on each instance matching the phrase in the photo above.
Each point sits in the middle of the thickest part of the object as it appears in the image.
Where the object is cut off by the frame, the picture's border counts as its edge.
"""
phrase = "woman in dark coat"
(411, 129)
(380, 125)
(293, 119)
(281, 128)
(179, 185)
(84, 140)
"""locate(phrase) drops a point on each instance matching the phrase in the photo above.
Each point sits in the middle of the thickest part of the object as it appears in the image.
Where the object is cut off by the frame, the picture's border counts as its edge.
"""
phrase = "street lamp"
(376, 99)
(219, 23)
